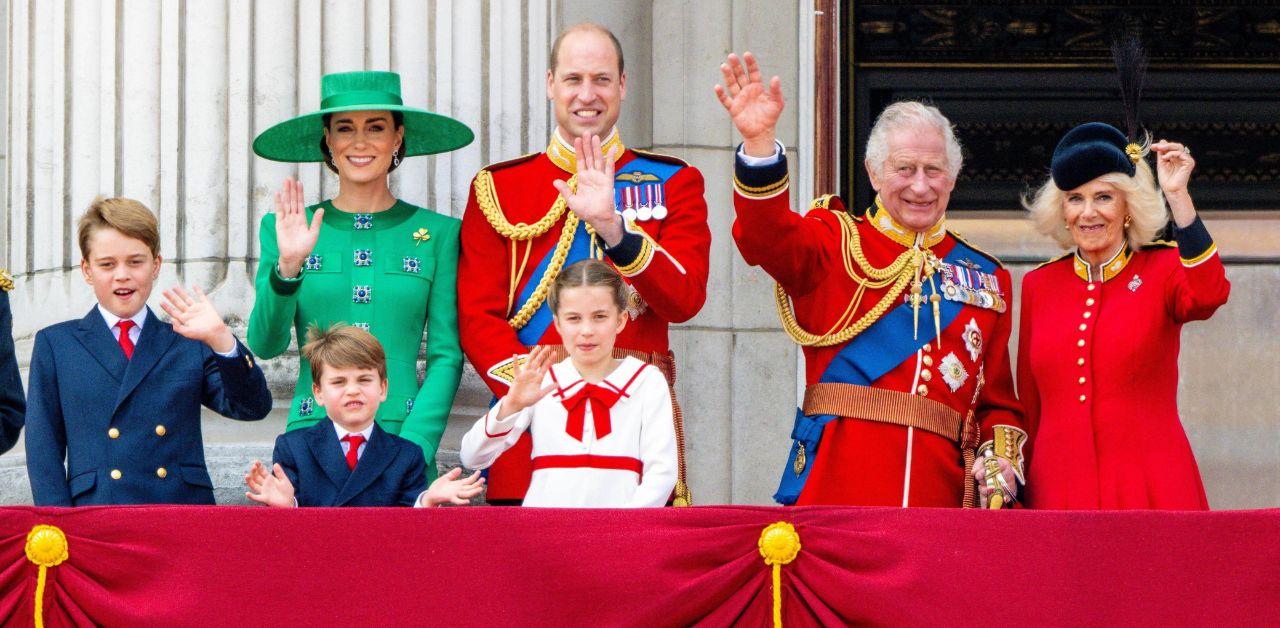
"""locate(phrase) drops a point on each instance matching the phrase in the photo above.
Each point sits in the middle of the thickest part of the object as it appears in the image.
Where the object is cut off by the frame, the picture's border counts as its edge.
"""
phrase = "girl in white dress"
(602, 428)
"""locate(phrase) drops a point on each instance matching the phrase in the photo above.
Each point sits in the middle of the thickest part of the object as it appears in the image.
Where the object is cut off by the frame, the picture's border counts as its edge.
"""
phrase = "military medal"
(645, 210)
(659, 210)
(953, 372)
(973, 339)
(628, 209)
(1135, 283)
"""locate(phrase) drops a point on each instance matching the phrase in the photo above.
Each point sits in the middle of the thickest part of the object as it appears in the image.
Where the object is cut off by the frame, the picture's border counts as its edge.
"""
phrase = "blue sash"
(869, 356)
(640, 172)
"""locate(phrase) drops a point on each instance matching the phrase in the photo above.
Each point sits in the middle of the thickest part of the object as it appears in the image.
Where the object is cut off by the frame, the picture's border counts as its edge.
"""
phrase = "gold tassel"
(46, 547)
(779, 545)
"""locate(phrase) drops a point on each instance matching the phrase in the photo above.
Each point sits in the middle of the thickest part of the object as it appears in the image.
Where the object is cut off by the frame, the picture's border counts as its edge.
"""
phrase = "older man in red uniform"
(520, 229)
(905, 327)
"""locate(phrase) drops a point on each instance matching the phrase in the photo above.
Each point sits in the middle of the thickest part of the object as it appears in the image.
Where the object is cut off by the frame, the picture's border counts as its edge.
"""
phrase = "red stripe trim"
(619, 463)
(494, 413)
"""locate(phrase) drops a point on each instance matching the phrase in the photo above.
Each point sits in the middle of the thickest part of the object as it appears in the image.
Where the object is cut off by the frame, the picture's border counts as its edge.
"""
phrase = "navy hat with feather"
(1094, 149)
(1088, 152)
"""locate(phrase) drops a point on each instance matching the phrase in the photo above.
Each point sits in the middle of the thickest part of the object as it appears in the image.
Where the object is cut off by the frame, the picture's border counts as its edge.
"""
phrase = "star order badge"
(973, 339)
(953, 372)
(1135, 283)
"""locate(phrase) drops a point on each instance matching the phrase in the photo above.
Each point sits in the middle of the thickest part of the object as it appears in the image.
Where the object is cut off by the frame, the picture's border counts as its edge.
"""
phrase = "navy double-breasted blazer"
(12, 405)
(392, 471)
(129, 429)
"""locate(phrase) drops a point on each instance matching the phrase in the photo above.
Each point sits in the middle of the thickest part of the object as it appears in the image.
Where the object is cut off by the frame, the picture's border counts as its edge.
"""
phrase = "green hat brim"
(297, 140)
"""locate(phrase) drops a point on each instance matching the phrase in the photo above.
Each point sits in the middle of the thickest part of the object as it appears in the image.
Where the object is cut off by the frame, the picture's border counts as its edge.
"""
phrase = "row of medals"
(987, 296)
(641, 203)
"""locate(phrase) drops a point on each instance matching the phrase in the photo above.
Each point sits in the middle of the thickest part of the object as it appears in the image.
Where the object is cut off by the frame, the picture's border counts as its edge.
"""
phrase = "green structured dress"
(393, 273)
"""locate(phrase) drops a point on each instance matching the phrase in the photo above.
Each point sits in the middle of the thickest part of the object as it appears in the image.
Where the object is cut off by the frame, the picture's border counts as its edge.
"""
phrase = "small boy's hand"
(256, 475)
(274, 489)
(196, 318)
(448, 489)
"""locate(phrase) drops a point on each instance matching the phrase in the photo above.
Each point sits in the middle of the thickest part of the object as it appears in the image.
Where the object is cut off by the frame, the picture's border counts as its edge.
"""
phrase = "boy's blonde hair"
(125, 215)
(343, 346)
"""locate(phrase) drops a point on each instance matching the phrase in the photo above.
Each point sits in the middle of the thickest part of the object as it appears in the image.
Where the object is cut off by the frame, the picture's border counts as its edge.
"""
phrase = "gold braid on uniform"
(488, 202)
(896, 275)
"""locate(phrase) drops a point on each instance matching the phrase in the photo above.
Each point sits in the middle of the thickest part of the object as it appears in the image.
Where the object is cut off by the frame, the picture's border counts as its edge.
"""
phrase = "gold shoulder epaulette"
(510, 162)
(1160, 244)
(660, 157)
(822, 202)
(994, 259)
(6, 280)
(1054, 259)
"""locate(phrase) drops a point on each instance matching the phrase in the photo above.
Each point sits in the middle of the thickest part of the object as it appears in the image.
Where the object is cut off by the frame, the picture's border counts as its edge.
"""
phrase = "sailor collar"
(562, 154)
(1110, 268)
(879, 218)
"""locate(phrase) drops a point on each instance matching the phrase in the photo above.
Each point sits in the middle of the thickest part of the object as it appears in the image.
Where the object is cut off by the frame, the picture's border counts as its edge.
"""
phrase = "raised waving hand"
(295, 238)
(753, 106)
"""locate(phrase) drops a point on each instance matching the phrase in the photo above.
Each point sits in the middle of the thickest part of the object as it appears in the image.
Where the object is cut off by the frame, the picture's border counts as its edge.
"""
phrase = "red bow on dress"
(601, 399)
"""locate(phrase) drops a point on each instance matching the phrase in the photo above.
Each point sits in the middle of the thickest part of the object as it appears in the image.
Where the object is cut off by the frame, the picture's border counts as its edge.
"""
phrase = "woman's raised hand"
(1173, 165)
(754, 107)
(294, 237)
(526, 386)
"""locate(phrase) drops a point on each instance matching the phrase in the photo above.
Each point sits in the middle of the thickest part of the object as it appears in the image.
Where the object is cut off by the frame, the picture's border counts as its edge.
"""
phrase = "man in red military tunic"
(519, 230)
(905, 327)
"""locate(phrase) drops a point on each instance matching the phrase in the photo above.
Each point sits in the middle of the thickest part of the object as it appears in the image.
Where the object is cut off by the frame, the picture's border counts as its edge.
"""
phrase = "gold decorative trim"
(561, 152)
(487, 199)
(1199, 259)
(522, 316)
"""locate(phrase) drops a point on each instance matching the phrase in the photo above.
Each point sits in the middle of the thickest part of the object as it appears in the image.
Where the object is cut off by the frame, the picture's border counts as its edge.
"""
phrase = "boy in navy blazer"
(349, 460)
(116, 395)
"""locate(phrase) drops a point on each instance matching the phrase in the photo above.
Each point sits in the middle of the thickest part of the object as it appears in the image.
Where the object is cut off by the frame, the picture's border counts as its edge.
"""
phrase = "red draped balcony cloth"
(483, 566)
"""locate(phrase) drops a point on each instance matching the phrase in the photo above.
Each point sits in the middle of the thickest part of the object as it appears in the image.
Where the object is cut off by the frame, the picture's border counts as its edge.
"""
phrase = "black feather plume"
(1131, 69)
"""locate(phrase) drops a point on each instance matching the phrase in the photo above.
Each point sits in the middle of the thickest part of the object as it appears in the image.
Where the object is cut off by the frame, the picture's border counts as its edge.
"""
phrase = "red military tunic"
(866, 462)
(1098, 375)
(663, 257)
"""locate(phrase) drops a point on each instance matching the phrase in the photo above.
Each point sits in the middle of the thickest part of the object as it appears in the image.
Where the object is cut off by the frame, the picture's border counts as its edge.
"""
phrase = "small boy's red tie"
(126, 343)
(353, 451)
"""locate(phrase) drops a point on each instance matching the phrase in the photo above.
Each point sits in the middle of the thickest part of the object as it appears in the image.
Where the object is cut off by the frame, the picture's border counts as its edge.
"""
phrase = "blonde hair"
(343, 346)
(125, 215)
(911, 114)
(589, 272)
(1142, 198)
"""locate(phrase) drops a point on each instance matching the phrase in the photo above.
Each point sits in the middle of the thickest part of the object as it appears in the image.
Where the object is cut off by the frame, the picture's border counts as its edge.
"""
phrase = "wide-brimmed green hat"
(298, 139)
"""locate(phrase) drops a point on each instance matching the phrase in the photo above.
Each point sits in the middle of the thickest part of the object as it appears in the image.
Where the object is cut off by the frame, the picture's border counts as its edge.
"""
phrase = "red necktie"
(126, 343)
(353, 452)
(600, 399)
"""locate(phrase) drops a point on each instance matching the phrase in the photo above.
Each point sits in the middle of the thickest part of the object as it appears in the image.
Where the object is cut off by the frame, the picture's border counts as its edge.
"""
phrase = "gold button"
(1082, 398)
(1081, 380)
(1080, 362)
(113, 433)
(161, 473)
(1092, 287)
(160, 430)
(1083, 327)
(928, 361)
(1089, 301)
(1088, 314)
(115, 474)
(922, 390)
(1080, 342)
(926, 375)
(927, 348)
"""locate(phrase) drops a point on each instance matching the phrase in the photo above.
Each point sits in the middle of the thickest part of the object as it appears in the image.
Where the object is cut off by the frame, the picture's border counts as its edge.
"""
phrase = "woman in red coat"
(1100, 327)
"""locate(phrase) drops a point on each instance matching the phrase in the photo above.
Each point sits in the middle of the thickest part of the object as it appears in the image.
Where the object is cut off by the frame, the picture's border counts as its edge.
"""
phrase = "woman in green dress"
(364, 257)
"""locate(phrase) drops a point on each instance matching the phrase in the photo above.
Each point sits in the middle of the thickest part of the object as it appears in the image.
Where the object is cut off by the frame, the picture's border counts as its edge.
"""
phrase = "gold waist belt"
(883, 406)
